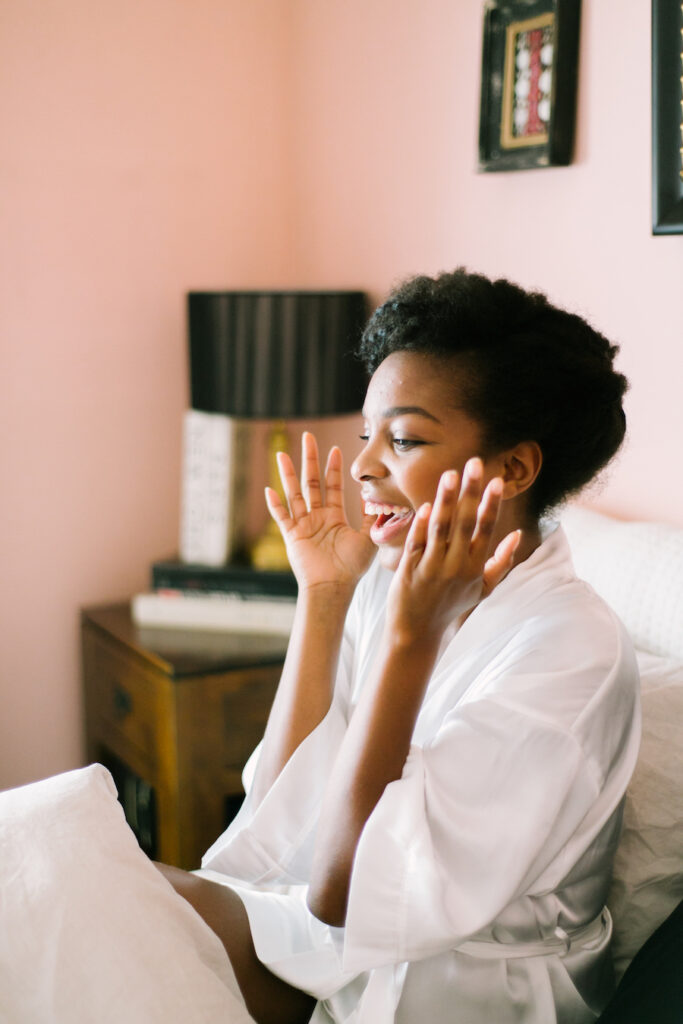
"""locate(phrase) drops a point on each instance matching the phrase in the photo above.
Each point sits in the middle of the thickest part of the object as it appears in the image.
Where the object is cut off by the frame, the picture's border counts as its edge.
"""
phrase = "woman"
(432, 815)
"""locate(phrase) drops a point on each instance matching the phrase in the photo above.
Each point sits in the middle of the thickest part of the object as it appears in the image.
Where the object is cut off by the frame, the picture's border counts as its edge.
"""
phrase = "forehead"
(407, 379)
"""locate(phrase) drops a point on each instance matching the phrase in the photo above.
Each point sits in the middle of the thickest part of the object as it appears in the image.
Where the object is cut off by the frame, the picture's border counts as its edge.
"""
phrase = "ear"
(521, 466)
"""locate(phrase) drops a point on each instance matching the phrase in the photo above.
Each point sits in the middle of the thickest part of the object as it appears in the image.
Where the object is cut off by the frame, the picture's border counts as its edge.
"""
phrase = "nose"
(368, 465)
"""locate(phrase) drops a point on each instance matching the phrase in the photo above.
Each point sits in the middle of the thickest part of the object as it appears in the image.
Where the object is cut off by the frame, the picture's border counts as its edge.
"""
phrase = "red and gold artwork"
(528, 82)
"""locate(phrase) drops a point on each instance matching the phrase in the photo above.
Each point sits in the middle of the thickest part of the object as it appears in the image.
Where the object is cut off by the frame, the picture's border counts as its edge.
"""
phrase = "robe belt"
(560, 943)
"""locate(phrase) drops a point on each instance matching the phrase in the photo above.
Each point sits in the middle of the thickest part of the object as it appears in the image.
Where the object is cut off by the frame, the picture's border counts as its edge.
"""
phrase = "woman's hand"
(328, 558)
(322, 547)
(447, 567)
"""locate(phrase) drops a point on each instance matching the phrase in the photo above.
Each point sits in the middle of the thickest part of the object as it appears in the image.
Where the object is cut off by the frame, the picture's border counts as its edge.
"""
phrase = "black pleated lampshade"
(276, 354)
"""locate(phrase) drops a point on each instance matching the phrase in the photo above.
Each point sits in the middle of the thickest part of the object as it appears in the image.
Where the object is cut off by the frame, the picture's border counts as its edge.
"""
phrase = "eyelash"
(401, 444)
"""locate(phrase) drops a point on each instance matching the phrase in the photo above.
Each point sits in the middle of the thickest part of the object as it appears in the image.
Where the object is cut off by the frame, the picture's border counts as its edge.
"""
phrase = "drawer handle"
(123, 702)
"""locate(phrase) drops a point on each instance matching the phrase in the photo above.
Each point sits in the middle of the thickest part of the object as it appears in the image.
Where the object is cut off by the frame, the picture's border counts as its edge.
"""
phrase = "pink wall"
(144, 154)
(163, 146)
(386, 154)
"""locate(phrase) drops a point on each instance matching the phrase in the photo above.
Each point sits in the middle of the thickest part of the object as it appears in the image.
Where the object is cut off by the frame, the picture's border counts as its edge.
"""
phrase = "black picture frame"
(517, 132)
(667, 117)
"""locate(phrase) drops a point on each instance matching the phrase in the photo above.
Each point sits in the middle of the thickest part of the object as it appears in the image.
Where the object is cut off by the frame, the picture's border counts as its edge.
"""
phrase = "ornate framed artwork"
(667, 117)
(528, 83)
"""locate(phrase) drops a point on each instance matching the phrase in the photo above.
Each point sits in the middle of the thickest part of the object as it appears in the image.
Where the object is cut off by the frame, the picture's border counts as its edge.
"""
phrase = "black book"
(171, 574)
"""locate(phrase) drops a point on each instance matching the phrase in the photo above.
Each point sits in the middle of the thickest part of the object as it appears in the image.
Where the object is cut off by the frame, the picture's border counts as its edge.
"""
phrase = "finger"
(441, 521)
(291, 486)
(310, 470)
(465, 518)
(416, 541)
(278, 510)
(334, 479)
(487, 517)
(502, 560)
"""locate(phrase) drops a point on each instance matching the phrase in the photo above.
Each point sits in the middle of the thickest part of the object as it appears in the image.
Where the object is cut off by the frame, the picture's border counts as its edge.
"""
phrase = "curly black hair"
(524, 370)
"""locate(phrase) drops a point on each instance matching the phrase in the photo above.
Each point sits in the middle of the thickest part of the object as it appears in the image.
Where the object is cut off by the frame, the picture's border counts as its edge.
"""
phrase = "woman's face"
(413, 434)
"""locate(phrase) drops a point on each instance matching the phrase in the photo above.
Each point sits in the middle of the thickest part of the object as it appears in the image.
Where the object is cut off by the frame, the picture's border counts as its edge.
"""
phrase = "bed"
(92, 932)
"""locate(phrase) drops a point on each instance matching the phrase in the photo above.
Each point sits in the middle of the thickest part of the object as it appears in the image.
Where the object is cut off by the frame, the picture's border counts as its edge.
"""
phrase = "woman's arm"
(304, 693)
(328, 558)
(443, 573)
(372, 755)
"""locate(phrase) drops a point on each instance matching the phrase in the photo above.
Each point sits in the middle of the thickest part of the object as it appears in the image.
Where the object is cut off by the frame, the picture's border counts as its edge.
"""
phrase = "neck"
(531, 533)
(531, 539)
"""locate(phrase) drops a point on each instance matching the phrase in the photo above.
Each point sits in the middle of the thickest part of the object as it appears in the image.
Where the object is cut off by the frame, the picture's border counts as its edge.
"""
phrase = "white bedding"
(648, 867)
(90, 931)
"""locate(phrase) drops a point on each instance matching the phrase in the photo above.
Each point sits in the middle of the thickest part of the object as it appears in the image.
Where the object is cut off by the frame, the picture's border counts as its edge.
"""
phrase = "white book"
(227, 612)
(213, 490)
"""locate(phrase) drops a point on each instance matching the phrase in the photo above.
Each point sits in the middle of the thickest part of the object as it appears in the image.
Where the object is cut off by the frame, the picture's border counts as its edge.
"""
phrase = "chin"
(389, 557)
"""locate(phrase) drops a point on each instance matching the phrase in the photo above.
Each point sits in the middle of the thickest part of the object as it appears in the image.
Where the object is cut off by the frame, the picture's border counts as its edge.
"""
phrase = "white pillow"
(638, 569)
(90, 930)
(648, 869)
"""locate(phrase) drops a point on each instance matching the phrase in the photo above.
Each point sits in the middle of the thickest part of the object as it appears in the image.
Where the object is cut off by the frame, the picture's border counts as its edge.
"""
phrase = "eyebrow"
(408, 410)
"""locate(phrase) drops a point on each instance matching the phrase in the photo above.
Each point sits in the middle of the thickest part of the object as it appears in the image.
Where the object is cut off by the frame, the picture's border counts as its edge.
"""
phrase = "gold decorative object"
(269, 551)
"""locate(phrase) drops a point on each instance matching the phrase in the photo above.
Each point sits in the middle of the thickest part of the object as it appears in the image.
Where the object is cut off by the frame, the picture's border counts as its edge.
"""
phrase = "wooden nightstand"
(175, 715)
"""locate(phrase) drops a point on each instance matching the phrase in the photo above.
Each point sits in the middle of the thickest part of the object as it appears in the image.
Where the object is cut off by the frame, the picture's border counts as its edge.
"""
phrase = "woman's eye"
(404, 444)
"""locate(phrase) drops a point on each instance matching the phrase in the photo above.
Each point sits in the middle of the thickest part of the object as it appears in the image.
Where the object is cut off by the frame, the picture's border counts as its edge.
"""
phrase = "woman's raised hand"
(447, 566)
(322, 547)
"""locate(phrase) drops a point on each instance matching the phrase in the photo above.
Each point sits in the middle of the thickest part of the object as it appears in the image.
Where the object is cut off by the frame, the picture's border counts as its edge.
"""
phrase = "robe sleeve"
(272, 842)
(473, 821)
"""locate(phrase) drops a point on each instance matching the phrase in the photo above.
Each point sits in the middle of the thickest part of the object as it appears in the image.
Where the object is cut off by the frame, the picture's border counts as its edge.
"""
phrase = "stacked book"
(227, 597)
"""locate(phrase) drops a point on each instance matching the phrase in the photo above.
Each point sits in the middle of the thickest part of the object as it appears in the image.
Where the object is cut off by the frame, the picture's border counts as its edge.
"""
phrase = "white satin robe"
(498, 837)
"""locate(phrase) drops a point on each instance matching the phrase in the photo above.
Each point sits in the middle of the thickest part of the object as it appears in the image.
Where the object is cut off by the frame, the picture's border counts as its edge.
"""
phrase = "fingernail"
(496, 485)
(424, 510)
(450, 479)
(474, 468)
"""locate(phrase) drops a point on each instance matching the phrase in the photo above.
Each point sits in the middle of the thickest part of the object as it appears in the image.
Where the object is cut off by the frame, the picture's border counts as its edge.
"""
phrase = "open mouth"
(390, 520)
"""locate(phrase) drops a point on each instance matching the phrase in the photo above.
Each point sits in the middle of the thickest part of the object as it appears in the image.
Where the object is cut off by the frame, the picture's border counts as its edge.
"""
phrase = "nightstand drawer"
(176, 714)
(124, 703)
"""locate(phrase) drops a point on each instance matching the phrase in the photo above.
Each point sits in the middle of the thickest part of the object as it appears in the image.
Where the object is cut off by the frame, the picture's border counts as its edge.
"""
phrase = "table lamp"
(276, 355)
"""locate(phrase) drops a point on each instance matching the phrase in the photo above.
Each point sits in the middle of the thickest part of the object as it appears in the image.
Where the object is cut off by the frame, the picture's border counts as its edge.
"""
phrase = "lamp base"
(269, 551)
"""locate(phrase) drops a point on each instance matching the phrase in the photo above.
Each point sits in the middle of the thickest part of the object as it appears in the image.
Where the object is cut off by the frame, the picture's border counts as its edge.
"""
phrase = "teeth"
(374, 508)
